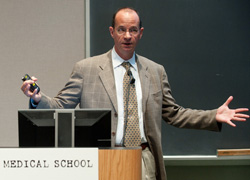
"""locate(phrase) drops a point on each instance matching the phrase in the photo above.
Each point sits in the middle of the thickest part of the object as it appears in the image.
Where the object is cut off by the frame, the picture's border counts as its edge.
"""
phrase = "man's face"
(126, 33)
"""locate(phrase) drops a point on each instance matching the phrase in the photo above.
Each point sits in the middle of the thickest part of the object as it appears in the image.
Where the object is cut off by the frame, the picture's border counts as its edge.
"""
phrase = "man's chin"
(128, 49)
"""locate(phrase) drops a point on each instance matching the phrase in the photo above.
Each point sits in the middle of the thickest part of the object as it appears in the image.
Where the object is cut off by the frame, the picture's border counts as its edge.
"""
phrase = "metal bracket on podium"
(65, 128)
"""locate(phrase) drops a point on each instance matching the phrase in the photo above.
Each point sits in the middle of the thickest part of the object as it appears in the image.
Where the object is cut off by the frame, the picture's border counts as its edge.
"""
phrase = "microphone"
(132, 79)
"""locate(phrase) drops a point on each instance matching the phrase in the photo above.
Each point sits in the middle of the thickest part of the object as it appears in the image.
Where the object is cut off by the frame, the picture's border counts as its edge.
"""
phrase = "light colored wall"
(42, 38)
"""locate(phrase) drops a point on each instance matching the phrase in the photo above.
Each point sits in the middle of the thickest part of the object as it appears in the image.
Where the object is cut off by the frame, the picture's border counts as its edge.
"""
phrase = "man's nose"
(127, 34)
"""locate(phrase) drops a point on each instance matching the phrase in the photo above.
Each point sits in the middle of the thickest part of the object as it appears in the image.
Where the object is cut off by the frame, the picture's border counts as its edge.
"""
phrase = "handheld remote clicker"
(33, 86)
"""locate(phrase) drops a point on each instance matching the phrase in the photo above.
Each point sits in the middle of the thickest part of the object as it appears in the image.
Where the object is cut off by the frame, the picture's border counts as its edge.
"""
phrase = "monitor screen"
(64, 128)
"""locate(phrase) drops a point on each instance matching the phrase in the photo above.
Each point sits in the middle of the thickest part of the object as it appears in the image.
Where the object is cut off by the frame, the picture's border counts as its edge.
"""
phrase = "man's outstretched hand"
(226, 115)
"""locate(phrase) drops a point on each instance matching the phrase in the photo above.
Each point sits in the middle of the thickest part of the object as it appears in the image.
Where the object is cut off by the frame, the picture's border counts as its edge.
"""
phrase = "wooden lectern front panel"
(120, 164)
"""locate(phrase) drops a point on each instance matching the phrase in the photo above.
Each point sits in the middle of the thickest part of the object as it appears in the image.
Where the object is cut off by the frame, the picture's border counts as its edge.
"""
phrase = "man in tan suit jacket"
(92, 85)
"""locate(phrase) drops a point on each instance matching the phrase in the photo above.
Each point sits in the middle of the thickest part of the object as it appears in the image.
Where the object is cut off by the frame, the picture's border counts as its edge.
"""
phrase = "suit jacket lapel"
(145, 81)
(107, 78)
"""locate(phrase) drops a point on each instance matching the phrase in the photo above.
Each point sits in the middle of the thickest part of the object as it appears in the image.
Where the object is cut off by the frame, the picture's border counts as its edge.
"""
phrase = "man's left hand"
(226, 115)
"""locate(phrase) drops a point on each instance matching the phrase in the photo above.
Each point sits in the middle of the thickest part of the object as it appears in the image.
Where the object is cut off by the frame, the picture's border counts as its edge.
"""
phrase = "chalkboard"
(204, 46)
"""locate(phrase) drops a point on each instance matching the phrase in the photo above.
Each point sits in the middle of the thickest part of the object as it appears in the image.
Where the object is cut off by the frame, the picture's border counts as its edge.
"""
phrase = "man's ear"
(111, 31)
(141, 32)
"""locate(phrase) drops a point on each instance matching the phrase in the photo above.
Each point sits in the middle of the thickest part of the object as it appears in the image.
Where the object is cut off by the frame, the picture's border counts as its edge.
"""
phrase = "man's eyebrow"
(121, 26)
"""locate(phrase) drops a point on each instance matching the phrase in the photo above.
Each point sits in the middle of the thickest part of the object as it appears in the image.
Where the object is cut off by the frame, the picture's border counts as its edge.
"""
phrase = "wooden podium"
(120, 163)
(80, 128)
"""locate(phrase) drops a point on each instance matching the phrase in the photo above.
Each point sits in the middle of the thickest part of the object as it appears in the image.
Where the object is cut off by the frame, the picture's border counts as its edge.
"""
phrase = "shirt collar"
(117, 60)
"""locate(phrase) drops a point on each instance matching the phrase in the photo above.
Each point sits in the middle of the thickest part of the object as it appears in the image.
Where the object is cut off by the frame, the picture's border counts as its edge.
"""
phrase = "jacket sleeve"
(69, 96)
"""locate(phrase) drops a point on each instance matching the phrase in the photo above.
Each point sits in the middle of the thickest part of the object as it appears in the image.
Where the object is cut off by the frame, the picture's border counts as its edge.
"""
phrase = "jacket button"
(113, 133)
(116, 115)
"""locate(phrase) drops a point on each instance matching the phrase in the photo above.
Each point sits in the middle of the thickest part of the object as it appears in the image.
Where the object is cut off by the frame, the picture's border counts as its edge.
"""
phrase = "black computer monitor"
(52, 128)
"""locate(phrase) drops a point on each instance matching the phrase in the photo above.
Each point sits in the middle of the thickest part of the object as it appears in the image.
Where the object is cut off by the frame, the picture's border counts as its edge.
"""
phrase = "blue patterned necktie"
(132, 136)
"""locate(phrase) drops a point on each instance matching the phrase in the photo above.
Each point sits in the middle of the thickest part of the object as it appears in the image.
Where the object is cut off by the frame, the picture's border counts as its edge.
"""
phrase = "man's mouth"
(127, 44)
